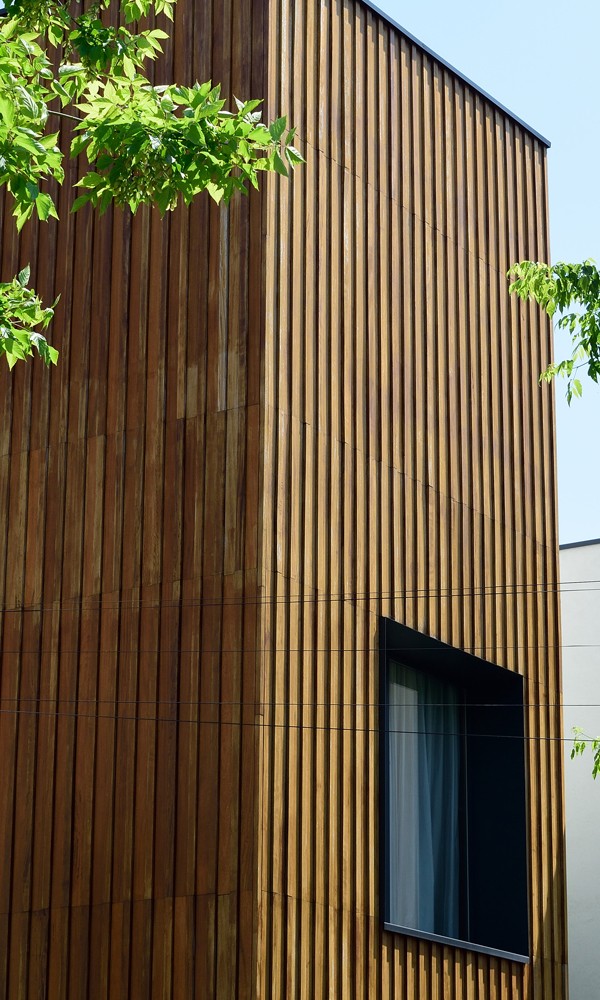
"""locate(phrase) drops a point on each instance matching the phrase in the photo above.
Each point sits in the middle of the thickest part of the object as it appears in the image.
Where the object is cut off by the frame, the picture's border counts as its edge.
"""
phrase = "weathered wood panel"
(269, 426)
(409, 471)
(129, 574)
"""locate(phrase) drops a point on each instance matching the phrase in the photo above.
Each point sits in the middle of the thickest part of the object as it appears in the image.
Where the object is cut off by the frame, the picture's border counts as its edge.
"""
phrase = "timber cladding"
(269, 426)
(409, 472)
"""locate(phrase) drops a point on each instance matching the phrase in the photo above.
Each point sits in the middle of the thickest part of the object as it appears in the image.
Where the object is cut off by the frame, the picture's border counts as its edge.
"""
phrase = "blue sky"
(541, 61)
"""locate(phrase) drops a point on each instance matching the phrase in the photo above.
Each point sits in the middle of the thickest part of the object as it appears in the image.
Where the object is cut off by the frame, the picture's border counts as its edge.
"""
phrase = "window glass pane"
(424, 754)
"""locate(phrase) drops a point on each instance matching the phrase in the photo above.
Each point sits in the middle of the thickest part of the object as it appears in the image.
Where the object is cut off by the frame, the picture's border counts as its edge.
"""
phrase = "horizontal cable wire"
(265, 724)
(97, 602)
(201, 703)
(163, 650)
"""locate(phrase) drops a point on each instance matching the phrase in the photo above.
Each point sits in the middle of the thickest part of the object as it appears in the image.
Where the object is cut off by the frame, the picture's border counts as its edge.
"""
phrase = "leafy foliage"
(580, 743)
(28, 155)
(144, 144)
(20, 313)
(155, 144)
(572, 291)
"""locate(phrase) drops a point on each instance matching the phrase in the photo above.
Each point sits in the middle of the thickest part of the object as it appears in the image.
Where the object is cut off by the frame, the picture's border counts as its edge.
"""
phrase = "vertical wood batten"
(336, 414)
(432, 511)
(126, 849)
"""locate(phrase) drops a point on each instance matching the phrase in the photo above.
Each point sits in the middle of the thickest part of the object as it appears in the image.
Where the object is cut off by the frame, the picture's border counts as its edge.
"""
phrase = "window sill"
(481, 949)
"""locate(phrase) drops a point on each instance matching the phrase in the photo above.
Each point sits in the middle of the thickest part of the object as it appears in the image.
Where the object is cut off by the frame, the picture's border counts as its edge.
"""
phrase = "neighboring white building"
(580, 599)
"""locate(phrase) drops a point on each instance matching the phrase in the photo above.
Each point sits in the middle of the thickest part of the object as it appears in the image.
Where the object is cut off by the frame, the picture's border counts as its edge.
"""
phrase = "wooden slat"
(117, 497)
(271, 424)
(441, 503)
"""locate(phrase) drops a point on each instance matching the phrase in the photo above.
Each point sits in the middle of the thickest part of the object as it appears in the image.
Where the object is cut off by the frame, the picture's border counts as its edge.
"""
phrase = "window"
(453, 810)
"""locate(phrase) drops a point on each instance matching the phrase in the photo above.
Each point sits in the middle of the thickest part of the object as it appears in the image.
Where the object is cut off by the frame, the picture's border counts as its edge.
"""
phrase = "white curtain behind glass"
(424, 784)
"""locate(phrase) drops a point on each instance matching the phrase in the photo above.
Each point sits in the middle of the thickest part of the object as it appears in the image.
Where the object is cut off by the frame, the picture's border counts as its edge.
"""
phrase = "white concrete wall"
(580, 600)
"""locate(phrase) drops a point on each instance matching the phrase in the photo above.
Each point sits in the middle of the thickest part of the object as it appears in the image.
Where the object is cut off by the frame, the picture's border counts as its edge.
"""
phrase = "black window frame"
(496, 807)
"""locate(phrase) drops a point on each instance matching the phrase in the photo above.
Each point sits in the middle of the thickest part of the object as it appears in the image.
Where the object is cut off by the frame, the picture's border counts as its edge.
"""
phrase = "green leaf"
(22, 215)
(7, 110)
(215, 192)
(69, 69)
(279, 165)
(293, 155)
(25, 142)
(24, 275)
(83, 199)
(128, 68)
(45, 207)
(277, 128)
(247, 107)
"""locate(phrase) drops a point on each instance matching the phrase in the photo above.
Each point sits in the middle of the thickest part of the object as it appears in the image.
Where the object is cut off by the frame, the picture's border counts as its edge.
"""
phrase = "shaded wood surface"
(129, 500)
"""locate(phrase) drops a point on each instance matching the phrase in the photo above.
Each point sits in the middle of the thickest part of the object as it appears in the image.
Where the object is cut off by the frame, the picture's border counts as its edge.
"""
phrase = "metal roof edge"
(578, 545)
(457, 72)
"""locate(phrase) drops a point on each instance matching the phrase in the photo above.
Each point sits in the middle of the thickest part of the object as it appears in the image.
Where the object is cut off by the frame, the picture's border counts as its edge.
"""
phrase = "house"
(580, 613)
(290, 489)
